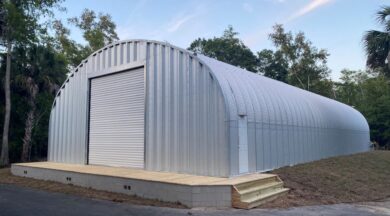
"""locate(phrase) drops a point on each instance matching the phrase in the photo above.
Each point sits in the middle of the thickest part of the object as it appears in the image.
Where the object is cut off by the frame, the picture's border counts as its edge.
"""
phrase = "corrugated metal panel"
(185, 129)
(185, 110)
(67, 134)
(193, 107)
(68, 122)
(116, 128)
(286, 125)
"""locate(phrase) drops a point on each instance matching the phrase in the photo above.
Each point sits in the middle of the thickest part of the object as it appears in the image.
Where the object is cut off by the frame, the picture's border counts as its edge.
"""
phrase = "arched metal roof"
(262, 123)
(258, 96)
(283, 124)
(266, 100)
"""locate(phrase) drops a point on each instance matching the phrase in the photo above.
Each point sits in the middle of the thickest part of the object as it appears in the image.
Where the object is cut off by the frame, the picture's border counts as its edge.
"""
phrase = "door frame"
(106, 72)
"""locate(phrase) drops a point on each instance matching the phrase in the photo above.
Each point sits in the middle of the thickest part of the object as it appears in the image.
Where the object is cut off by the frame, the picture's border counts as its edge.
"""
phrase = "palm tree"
(377, 43)
(39, 73)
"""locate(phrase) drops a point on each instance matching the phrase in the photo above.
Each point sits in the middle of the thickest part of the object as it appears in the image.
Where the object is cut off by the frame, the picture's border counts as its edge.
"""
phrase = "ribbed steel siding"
(68, 118)
(185, 119)
(116, 128)
(194, 106)
(185, 122)
(285, 125)
(67, 129)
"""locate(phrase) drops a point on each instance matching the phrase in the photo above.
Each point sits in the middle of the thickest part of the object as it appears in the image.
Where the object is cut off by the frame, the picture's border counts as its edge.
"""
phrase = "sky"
(334, 25)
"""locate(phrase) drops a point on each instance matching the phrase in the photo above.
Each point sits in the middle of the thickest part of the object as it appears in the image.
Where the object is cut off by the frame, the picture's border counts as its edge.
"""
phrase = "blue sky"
(335, 25)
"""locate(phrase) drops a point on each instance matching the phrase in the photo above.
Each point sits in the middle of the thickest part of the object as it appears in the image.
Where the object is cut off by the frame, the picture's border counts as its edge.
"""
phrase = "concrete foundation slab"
(190, 190)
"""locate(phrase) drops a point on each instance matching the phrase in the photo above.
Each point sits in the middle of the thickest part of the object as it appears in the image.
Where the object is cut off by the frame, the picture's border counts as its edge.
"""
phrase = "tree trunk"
(30, 120)
(388, 59)
(4, 157)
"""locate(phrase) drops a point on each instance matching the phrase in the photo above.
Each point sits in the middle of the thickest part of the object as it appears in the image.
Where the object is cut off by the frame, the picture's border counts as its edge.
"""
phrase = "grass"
(346, 179)
(7, 178)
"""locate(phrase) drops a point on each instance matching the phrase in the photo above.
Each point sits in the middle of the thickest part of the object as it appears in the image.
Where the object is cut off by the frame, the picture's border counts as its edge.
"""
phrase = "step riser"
(260, 192)
(247, 185)
(252, 194)
(261, 187)
(265, 200)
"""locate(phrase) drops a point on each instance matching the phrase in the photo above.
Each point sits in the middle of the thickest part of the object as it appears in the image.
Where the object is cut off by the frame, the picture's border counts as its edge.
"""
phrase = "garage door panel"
(117, 107)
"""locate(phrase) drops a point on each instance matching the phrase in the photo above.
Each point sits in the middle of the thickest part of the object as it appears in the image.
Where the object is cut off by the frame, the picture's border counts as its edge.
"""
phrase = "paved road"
(15, 200)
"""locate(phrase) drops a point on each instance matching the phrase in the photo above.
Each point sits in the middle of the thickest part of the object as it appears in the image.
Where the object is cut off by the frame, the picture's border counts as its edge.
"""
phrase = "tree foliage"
(42, 68)
(20, 20)
(40, 63)
(72, 51)
(377, 44)
(20, 26)
(98, 30)
(297, 62)
(273, 64)
(227, 48)
(369, 93)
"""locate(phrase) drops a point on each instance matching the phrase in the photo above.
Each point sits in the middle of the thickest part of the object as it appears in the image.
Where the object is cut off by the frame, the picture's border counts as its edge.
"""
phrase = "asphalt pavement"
(16, 200)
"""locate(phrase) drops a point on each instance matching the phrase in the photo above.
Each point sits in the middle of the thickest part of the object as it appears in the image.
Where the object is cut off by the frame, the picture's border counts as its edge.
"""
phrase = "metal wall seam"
(70, 93)
(75, 127)
(50, 137)
(318, 126)
(193, 104)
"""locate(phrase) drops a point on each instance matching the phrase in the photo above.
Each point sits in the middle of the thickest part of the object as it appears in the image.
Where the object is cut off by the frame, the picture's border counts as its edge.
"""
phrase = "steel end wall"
(185, 118)
(185, 111)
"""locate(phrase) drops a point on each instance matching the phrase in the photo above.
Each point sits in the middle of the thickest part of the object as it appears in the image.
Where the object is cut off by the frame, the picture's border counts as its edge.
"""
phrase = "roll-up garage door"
(116, 129)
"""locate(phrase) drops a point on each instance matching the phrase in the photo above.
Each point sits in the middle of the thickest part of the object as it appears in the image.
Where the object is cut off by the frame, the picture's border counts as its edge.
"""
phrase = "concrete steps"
(251, 194)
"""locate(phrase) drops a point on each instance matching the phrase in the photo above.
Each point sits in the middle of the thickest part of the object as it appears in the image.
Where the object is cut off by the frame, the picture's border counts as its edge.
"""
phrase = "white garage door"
(116, 130)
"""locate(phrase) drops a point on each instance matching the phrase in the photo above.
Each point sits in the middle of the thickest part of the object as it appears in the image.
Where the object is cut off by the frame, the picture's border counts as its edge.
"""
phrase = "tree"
(296, 61)
(19, 25)
(227, 48)
(369, 93)
(377, 44)
(349, 90)
(37, 79)
(97, 30)
(375, 106)
(72, 51)
(273, 65)
(39, 71)
(39, 63)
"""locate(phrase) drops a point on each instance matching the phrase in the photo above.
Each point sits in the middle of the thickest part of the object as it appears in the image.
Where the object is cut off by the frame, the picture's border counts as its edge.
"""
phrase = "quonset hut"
(150, 105)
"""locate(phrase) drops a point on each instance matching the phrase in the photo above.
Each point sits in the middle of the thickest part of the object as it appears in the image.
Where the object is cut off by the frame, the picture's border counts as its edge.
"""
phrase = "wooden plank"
(244, 193)
(140, 174)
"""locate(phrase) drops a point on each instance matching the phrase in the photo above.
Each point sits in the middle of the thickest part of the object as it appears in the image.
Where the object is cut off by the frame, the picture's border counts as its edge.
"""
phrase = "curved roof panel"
(263, 99)
(259, 123)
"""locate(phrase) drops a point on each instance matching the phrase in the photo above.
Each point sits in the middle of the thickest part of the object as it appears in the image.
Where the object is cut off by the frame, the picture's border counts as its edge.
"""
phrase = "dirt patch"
(355, 178)
(7, 178)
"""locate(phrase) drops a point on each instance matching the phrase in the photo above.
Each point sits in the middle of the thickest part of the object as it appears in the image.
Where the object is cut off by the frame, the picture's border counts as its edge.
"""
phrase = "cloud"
(177, 23)
(255, 38)
(247, 7)
(311, 6)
